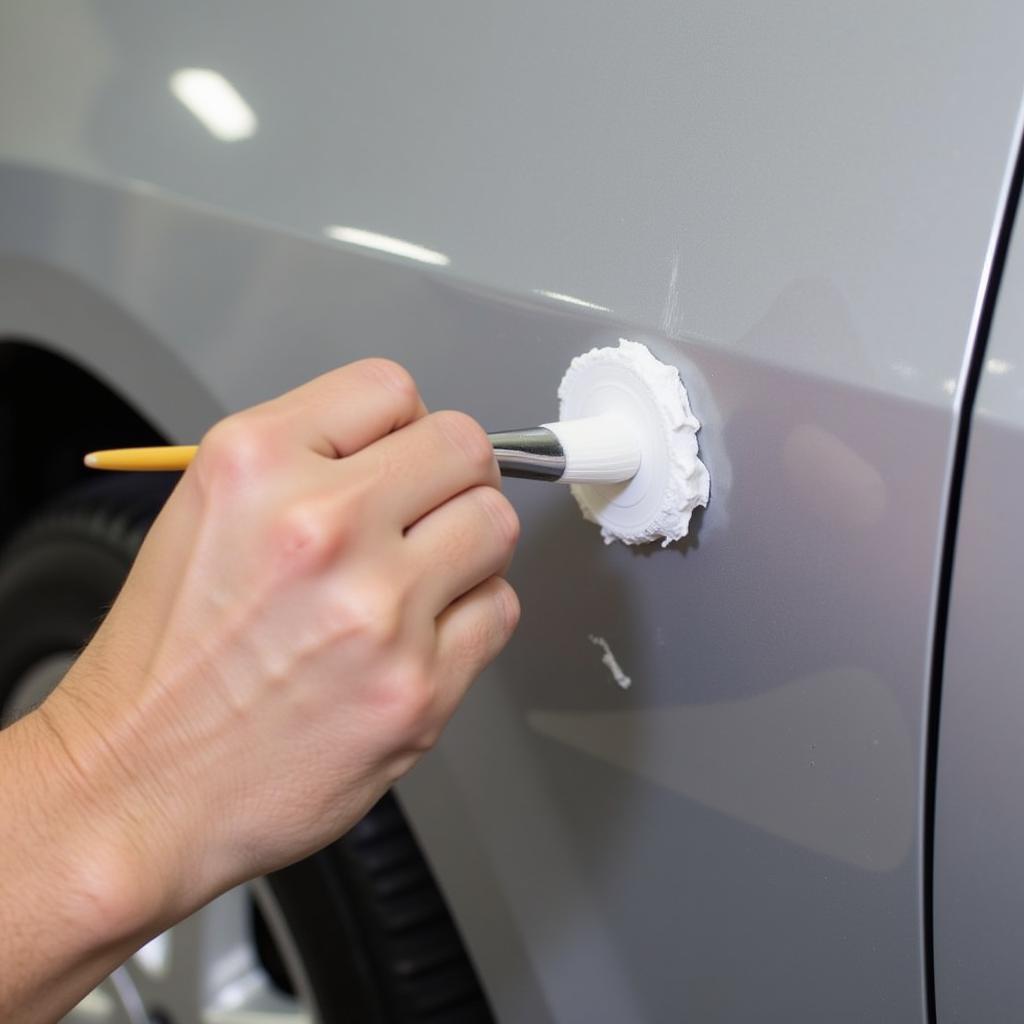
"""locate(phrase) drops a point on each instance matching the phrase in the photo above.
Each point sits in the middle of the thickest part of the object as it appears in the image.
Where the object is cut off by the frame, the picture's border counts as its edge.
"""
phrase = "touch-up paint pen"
(626, 440)
(592, 450)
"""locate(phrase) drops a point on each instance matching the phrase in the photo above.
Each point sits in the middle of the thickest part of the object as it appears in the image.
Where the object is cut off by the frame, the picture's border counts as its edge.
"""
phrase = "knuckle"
(366, 614)
(303, 532)
(408, 693)
(467, 435)
(392, 376)
(509, 607)
(502, 514)
(482, 636)
(478, 642)
(234, 451)
(426, 737)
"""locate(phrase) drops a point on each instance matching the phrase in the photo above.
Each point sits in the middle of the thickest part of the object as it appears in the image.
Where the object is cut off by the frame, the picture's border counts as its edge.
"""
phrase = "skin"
(304, 616)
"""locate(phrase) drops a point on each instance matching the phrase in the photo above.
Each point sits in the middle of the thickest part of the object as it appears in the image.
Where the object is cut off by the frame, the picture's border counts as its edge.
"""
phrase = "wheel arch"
(77, 373)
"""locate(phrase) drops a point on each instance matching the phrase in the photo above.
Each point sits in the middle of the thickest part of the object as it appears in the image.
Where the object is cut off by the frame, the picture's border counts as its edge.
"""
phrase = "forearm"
(303, 617)
(74, 899)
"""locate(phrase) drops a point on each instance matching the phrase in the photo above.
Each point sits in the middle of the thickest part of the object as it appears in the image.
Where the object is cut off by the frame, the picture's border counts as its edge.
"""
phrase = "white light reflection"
(155, 955)
(780, 760)
(214, 102)
(571, 299)
(949, 385)
(385, 243)
(998, 366)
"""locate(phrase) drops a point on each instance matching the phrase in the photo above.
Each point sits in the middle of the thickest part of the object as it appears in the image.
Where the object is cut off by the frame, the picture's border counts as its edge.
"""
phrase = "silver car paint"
(979, 840)
(794, 206)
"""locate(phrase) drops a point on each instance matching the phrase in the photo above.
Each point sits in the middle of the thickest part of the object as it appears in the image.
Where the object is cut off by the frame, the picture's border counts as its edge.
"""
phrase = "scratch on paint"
(611, 662)
(671, 314)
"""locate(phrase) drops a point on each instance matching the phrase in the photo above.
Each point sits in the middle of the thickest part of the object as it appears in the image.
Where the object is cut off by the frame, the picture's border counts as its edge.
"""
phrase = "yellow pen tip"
(166, 458)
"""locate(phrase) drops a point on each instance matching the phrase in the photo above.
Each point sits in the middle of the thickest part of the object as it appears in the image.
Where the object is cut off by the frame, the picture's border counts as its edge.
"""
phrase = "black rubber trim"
(962, 427)
(422, 966)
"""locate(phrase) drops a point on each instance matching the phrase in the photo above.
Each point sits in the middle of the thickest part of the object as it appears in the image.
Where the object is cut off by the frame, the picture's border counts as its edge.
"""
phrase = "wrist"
(87, 855)
(77, 895)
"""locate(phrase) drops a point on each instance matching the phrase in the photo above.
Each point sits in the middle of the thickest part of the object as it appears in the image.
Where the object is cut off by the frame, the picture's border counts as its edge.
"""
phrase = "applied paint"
(628, 382)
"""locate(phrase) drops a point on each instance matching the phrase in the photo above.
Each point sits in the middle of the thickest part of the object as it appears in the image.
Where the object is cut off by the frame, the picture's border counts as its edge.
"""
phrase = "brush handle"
(594, 450)
(534, 454)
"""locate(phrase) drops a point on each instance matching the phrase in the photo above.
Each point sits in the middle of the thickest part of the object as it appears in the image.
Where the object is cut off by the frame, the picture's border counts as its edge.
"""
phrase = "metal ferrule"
(533, 454)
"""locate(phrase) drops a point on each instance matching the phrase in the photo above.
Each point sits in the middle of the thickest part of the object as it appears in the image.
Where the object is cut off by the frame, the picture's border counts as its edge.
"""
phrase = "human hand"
(303, 618)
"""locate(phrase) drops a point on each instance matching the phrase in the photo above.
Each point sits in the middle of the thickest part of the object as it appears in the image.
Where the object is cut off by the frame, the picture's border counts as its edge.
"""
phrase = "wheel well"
(52, 411)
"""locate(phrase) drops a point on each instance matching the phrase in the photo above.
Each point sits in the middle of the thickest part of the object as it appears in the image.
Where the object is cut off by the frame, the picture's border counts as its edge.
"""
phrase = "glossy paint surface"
(793, 207)
(979, 840)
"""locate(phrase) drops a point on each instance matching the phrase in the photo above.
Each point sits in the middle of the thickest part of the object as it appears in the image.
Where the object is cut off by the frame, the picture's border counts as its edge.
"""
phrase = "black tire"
(375, 938)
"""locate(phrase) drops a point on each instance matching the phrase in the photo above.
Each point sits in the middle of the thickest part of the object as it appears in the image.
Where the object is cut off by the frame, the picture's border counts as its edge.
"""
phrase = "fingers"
(345, 410)
(470, 634)
(418, 468)
(462, 543)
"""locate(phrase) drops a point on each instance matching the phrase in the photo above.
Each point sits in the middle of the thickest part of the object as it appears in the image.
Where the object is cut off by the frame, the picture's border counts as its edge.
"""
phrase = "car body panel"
(979, 834)
(795, 207)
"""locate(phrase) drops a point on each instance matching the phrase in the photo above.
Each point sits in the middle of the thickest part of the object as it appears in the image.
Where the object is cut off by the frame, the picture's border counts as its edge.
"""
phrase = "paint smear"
(611, 662)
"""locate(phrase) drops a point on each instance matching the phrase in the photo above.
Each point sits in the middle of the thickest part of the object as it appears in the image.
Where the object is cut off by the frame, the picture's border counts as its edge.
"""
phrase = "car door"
(979, 838)
(796, 205)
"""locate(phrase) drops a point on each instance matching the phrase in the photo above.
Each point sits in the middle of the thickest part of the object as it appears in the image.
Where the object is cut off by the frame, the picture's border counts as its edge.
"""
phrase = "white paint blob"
(611, 662)
(628, 382)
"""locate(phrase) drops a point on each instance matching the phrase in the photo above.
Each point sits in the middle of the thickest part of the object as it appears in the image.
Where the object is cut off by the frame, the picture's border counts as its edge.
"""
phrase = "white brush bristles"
(598, 449)
(629, 384)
